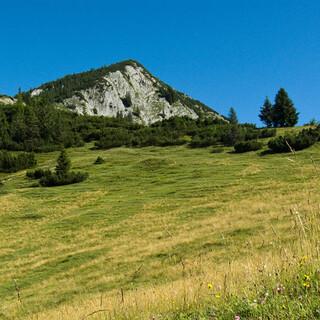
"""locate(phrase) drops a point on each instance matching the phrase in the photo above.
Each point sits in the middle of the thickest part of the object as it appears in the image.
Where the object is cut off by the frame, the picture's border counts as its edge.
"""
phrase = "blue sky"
(224, 53)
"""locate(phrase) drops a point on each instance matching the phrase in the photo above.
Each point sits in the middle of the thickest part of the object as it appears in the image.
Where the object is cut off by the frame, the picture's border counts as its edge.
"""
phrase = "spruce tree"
(32, 140)
(18, 125)
(266, 113)
(285, 113)
(4, 131)
(63, 164)
(233, 116)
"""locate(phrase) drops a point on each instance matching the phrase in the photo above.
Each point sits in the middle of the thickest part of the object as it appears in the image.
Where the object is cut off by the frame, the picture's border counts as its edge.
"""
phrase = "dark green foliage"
(169, 94)
(267, 133)
(226, 134)
(217, 150)
(266, 113)
(38, 173)
(288, 143)
(63, 164)
(284, 112)
(99, 160)
(232, 135)
(62, 174)
(38, 127)
(246, 146)
(53, 180)
(14, 162)
(233, 118)
(4, 131)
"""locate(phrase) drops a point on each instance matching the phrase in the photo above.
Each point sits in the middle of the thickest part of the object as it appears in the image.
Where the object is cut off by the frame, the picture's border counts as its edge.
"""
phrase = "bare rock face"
(6, 100)
(125, 89)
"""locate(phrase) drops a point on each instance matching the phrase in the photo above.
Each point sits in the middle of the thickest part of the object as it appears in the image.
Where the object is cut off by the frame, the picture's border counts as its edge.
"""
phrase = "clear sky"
(222, 52)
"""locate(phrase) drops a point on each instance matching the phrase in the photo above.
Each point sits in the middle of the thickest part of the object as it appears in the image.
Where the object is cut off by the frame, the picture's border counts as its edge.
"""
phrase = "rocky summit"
(125, 89)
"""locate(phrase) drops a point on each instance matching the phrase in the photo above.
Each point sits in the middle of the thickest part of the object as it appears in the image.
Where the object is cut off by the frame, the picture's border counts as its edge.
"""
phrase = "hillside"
(123, 89)
(6, 100)
(151, 231)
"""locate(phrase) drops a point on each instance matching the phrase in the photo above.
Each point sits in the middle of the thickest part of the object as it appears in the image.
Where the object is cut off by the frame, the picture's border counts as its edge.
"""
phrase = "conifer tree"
(32, 129)
(266, 113)
(284, 111)
(4, 131)
(233, 116)
(18, 126)
(63, 164)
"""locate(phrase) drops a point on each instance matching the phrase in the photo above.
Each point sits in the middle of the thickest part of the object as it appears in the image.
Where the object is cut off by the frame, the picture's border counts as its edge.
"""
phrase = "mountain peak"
(126, 89)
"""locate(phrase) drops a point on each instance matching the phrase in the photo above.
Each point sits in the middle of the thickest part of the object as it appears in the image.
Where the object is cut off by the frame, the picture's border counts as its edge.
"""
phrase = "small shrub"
(267, 133)
(14, 162)
(37, 174)
(246, 146)
(300, 141)
(217, 150)
(53, 180)
(99, 160)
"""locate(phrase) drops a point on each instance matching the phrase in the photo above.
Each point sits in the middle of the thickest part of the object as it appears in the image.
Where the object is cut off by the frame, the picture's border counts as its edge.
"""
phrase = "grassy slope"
(148, 221)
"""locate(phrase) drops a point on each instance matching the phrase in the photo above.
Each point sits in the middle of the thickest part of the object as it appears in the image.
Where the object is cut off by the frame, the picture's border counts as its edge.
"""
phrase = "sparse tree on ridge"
(266, 113)
(233, 116)
(284, 111)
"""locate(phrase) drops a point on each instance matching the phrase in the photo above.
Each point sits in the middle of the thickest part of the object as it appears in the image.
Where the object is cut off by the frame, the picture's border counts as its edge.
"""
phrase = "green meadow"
(151, 231)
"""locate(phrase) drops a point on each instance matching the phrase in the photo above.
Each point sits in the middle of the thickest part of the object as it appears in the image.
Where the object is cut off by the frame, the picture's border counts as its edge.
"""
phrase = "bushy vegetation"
(51, 179)
(42, 127)
(38, 173)
(295, 142)
(267, 133)
(99, 160)
(61, 176)
(246, 146)
(10, 162)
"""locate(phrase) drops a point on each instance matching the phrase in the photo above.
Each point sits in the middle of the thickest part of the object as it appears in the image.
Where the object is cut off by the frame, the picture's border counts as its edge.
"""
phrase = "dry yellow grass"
(160, 236)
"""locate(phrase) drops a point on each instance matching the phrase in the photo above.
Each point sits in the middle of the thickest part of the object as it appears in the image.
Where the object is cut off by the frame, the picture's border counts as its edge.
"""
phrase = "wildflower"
(306, 284)
(304, 259)
(210, 286)
(217, 295)
(237, 318)
(280, 288)
(306, 277)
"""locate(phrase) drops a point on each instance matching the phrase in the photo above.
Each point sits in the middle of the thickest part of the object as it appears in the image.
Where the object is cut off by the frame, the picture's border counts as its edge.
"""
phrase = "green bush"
(99, 160)
(37, 174)
(217, 150)
(14, 162)
(267, 133)
(300, 141)
(246, 146)
(53, 180)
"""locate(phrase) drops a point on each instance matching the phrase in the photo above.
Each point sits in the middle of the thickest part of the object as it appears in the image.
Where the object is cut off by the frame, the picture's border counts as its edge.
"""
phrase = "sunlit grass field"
(149, 230)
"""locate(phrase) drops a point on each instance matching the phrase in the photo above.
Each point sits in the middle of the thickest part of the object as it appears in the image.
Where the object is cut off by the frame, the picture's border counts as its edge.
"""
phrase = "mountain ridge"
(125, 89)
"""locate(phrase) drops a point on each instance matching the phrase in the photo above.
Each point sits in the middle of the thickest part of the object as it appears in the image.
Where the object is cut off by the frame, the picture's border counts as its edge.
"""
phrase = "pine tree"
(63, 164)
(233, 116)
(266, 113)
(4, 131)
(18, 126)
(285, 113)
(32, 129)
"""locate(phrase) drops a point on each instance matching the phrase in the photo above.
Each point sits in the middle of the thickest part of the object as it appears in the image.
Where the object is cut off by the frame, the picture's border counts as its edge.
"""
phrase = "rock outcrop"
(125, 89)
